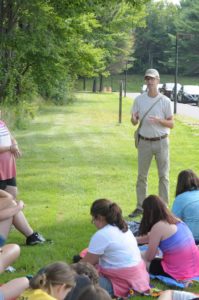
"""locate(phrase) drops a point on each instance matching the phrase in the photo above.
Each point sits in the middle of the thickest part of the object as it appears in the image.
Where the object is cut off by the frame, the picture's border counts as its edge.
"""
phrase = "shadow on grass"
(67, 237)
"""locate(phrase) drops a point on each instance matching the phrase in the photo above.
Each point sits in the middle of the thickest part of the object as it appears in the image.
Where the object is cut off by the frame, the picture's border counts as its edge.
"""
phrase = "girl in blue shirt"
(186, 203)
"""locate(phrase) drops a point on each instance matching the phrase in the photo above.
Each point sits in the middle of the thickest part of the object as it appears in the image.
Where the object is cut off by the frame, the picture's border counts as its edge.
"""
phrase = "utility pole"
(176, 74)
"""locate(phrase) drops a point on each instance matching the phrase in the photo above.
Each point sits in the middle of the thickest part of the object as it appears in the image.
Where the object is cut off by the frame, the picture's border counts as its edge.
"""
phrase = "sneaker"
(76, 258)
(35, 239)
(10, 269)
(135, 213)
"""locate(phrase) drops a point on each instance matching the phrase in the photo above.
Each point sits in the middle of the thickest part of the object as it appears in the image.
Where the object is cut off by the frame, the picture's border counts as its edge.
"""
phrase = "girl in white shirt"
(114, 248)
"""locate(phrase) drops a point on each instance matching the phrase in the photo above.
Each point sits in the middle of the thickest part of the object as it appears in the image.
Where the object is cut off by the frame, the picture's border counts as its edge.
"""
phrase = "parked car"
(167, 89)
(189, 94)
(143, 88)
(172, 97)
(160, 85)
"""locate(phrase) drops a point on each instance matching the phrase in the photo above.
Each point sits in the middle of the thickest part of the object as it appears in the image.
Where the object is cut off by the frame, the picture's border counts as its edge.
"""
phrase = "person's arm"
(5, 149)
(10, 211)
(134, 118)
(96, 248)
(153, 243)
(135, 113)
(14, 148)
(14, 141)
(143, 239)
(169, 122)
(91, 258)
(5, 196)
(6, 200)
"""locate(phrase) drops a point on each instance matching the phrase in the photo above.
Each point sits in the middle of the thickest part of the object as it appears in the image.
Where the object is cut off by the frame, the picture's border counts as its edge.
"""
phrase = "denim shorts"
(1, 296)
(2, 241)
(106, 284)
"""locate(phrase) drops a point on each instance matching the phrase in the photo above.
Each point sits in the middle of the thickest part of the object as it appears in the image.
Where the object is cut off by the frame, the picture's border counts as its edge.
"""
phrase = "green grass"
(134, 82)
(75, 154)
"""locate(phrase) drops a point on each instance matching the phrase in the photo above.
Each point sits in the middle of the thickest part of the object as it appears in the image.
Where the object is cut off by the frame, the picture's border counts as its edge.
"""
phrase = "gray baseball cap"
(152, 73)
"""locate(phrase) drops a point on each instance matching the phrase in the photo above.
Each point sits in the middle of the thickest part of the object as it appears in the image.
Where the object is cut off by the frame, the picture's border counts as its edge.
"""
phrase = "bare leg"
(12, 190)
(8, 255)
(14, 288)
(20, 222)
(6, 202)
(11, 213)
(5, 227)
(145, 156)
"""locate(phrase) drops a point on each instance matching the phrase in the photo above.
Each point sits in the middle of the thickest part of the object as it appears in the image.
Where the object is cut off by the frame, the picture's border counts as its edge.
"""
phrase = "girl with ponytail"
(114, 249)
(52, 282)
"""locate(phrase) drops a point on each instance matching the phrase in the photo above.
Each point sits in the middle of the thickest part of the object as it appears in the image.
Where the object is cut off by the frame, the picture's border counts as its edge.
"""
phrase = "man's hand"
(154, 120)
(134, 118)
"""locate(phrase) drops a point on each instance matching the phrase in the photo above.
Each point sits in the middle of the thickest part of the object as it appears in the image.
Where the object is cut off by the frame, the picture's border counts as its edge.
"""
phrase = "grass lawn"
(75, 154)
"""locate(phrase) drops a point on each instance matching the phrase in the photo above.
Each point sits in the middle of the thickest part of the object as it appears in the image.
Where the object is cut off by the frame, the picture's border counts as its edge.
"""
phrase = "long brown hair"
(110, 211)
(155, 210)
(57, 273)
(187, 181)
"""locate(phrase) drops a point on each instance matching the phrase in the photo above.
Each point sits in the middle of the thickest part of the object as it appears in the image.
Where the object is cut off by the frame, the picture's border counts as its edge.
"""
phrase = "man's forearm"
(167, 123)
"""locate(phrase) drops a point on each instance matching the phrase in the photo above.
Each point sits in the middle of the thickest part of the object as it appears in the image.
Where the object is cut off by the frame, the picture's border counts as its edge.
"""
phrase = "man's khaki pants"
(146, 151)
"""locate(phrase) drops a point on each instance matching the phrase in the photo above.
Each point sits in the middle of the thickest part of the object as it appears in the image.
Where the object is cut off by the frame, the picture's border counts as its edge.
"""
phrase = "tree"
(154, 44)
(188, 33)
(115, 34)
(45, 45)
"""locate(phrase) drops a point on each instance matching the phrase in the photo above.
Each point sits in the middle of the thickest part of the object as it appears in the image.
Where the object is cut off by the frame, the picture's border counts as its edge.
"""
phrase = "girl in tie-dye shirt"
(163, 231)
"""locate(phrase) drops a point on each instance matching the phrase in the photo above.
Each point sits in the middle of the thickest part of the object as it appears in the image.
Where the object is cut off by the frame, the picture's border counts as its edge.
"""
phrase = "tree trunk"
(95, 85)
(101, 84)
(84, 84)
(111, 81)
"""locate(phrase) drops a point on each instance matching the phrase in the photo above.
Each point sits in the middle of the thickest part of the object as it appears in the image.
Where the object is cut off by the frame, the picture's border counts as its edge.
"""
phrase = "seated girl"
(114, 248)
(51, 282)
(160, 228)
(186, 203)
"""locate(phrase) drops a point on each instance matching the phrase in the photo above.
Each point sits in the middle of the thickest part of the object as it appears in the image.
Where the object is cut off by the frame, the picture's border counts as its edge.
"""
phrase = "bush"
(20, 115)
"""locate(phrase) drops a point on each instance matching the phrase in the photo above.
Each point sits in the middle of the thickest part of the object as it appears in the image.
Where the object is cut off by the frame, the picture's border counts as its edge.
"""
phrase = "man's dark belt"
(153, 139)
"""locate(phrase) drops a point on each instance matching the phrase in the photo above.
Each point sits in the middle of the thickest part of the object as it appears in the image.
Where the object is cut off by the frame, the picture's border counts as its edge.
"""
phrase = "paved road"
(187, 110)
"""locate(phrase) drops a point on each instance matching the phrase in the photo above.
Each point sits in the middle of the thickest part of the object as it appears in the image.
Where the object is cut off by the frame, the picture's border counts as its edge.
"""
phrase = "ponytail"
(39, 281)
(57, 273)
(110, 211)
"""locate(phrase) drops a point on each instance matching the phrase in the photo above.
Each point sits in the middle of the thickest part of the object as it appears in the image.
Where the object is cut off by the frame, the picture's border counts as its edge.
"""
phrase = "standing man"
(153, 136)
